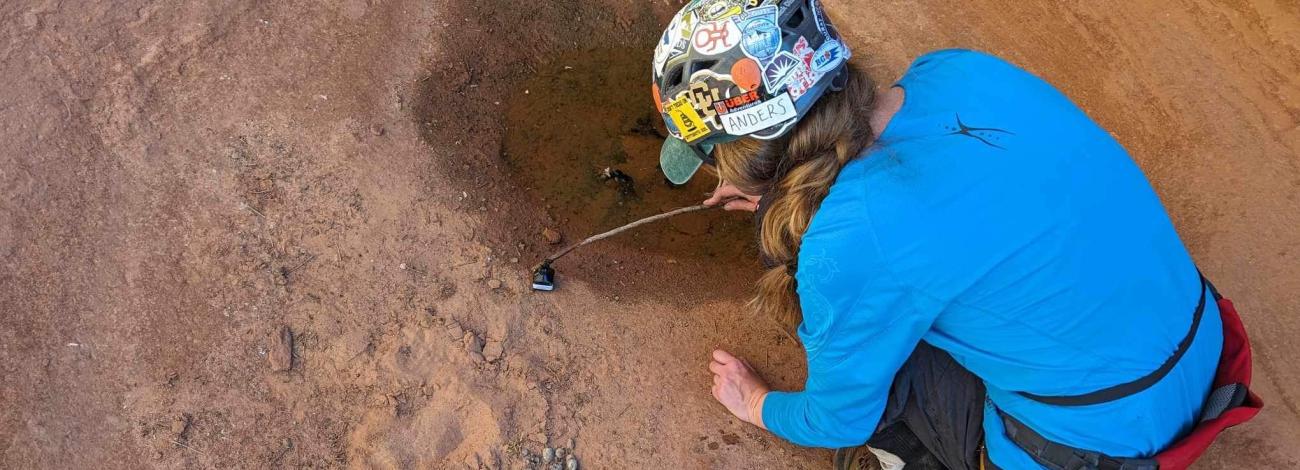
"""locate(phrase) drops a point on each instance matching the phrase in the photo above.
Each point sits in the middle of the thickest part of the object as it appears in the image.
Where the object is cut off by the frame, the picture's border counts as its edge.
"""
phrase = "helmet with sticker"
(725, 69)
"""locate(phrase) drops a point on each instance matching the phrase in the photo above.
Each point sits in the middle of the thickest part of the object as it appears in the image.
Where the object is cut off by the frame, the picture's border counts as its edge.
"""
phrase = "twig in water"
(602, 236)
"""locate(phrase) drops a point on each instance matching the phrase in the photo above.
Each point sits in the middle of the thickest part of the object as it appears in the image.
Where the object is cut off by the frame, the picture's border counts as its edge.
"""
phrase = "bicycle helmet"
(725, 69)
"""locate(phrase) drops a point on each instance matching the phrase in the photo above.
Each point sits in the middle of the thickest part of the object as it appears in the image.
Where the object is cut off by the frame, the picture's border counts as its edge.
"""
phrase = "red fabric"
(1234, 367)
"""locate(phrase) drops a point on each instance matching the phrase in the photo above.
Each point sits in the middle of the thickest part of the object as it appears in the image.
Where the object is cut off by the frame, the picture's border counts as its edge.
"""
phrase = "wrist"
(754, 404)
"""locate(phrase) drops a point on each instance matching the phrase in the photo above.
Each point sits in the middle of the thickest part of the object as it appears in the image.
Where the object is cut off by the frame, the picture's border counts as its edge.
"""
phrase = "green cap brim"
(678, 160)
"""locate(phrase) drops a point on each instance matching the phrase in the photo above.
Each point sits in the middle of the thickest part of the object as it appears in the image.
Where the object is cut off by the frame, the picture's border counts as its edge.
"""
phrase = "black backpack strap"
(1142, 383)
(1056, 456)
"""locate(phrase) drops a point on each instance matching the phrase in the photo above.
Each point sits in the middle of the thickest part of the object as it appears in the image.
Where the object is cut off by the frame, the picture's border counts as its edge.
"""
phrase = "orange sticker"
(659, 102)
(746, 74)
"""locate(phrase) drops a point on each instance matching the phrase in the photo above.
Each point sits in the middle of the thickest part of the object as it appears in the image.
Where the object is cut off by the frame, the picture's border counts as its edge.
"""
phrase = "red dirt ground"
(182, 179)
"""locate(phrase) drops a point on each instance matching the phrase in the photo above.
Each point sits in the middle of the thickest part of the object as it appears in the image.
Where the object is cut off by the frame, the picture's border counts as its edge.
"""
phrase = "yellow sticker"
(687, 119)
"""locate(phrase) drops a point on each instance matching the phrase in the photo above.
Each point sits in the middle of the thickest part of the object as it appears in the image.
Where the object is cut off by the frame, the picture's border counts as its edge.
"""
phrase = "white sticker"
(762, 116)
(715, 37)
(829, 56)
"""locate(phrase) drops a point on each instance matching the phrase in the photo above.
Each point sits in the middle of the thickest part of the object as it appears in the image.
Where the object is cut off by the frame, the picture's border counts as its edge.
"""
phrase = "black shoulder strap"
(1125, 389)
(1056, 456)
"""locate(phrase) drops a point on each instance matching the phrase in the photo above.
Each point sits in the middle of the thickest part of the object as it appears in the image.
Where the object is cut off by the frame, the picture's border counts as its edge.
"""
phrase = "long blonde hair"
(794, 173)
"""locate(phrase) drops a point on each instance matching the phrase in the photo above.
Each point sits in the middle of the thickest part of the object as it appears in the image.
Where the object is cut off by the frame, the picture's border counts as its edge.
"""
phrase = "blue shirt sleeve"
(859, 326)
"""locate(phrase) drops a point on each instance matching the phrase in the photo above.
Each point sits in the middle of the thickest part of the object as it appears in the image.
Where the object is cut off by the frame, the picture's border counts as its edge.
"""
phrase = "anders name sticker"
(761, 116)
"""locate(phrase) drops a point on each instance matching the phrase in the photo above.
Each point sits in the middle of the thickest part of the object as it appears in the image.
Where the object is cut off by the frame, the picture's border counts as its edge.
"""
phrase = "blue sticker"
(760, 36)
(783, 66)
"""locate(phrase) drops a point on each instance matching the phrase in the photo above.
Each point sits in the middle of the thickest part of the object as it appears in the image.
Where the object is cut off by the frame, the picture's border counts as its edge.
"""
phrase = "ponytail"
(794, 174)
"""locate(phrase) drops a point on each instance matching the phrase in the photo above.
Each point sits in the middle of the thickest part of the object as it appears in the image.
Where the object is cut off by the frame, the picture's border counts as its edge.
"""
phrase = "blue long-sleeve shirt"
(994, 220)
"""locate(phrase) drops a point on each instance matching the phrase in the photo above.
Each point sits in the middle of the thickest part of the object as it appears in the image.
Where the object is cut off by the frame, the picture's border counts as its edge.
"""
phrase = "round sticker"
(762, 39)
(746, 74)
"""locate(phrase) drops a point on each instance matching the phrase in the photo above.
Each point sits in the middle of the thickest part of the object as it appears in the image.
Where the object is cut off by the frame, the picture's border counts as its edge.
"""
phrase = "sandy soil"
(182, 180)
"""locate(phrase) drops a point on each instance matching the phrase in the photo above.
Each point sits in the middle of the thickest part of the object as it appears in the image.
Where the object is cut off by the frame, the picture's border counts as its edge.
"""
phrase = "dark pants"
(935, 414)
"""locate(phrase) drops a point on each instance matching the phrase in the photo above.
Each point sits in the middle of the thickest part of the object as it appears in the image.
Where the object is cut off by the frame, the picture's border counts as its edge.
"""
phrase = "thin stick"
(601, 236)
(174, 441)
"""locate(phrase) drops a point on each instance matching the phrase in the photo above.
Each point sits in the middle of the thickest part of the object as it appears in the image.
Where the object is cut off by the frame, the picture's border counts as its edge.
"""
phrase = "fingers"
(723, 192)
(741, 205)
(717, 367)
(723, 356)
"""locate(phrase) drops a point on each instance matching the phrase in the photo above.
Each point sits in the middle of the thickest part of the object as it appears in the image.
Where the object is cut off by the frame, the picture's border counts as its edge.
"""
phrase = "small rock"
(557, 466)
(552, 236)
(572, 444)
(281, 353)
(377, 129)
(493, 350)
(571, 463)
(514, 260)
(473, 345)
(494, 284)
(548, 455)
(181, 427)
(560, 452)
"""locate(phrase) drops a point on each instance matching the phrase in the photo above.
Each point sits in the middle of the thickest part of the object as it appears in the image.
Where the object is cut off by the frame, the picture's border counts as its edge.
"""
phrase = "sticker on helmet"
(761, 38)
(830, 55)
(659, 101)
(746, 74)
(687, 119)
(736, 103)
(674, 42)
(703, 96)
(780, 70)
(718, 9)
(761, 116)
(819, 16)
(804, 77)
(715, 37)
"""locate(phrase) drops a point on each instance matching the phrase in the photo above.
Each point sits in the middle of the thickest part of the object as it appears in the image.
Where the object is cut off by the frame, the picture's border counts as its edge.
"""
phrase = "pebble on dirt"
(548, 455)
(494, 284)
(181, 427)
(280, 354)
(493, 350)
(571, 463)
(473, 345)
(552, 236)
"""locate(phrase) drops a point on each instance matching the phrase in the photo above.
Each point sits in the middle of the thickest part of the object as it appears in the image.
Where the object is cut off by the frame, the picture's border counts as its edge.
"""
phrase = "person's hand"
(738, 388)
(734, 199)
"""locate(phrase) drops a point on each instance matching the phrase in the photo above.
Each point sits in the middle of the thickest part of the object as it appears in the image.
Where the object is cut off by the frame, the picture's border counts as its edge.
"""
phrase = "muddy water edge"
(582, 143)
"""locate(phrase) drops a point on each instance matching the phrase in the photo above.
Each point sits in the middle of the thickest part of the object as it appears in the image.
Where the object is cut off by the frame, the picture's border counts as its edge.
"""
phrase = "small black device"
(544, 277)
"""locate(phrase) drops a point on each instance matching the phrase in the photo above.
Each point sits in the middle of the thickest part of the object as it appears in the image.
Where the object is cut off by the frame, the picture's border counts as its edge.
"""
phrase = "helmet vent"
(795, 21)
(702, 65)
(674, 77)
